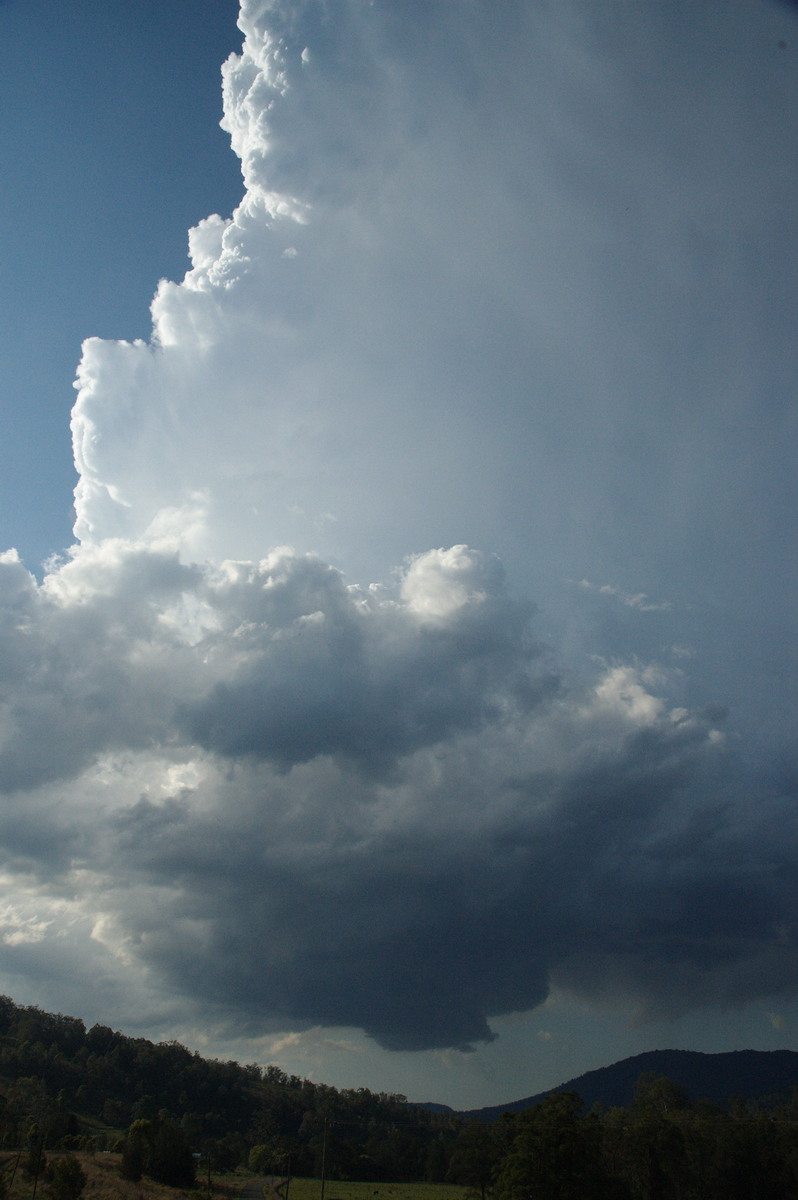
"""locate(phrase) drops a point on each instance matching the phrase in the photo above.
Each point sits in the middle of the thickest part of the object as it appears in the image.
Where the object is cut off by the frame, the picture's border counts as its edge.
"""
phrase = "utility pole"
(324, 1158)
(39, 1155)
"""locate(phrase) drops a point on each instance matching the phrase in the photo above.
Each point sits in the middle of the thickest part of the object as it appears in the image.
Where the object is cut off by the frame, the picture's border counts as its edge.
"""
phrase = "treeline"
(87, 1088)
(161, 1106)
(662, 1147)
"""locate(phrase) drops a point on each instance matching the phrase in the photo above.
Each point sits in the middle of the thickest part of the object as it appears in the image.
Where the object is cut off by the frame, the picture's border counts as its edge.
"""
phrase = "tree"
(35, 1162)
(435, 1161)
(66, 1178)
(158, 1148)
(555, 1153)
(655, 1095)
(170, 1158)
(134, 1151)
(270, 1158)
(475, 1158)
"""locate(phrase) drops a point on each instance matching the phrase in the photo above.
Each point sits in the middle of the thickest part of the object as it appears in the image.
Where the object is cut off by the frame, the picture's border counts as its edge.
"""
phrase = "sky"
(405, 696)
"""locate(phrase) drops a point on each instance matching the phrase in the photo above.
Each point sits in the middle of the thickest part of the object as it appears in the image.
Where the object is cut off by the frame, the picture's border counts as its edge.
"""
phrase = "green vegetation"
(158, 1148)
(96, 1089)
(661, 1147)
(67, 1093)
(66, 1179)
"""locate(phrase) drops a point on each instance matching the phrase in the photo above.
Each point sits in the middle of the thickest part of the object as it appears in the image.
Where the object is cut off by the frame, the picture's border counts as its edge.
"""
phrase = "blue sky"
(111, 150)
(414, 705)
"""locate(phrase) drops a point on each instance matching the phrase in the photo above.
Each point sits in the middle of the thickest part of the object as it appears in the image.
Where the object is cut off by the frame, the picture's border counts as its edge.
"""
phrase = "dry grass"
(105, 1183)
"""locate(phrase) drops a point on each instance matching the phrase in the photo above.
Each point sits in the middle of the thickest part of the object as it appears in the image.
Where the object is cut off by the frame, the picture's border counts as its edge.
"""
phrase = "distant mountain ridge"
(749, 1074)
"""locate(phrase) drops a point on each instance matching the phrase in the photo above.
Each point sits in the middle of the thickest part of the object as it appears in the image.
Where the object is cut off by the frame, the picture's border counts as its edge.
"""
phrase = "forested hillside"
(161, 1107)
(661, 1147)
(86, 1087)
(765, 1077)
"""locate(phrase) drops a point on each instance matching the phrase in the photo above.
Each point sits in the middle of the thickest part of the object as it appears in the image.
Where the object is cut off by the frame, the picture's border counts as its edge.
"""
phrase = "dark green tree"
(435, 1161)
(170, 1160)
(135, 1151)
(66, 1178)
(158, 1148)
(555, 1153)
(655, 1096)
(34, 1162)
(475, 1158)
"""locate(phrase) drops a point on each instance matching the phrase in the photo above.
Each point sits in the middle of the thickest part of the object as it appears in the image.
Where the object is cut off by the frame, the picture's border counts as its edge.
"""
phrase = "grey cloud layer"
(403, 821)
(279, 661)
(321, 674)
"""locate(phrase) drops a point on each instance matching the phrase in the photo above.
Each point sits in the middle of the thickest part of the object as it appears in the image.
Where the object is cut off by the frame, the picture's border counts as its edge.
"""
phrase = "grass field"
(310, 1189)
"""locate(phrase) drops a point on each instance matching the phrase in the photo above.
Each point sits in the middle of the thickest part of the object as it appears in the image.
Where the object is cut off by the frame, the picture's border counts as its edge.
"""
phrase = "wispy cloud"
(638, 600)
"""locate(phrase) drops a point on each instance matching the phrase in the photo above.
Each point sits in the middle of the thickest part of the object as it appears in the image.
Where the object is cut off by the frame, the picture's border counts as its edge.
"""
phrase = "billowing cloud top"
(446, 312)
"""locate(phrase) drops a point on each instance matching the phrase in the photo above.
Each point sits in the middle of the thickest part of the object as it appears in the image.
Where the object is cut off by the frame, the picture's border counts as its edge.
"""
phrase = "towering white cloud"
(481, 289)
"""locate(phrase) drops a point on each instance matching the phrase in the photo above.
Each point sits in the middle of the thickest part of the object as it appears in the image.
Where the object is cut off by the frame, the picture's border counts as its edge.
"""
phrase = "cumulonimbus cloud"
(233, 774)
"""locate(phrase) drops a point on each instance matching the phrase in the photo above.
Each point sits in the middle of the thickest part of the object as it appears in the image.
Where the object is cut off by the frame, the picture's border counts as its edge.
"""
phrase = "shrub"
(66, 1178)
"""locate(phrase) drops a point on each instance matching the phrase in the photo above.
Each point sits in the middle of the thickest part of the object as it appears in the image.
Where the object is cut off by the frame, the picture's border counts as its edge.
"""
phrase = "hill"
(84, 1087)
(751, 1075)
